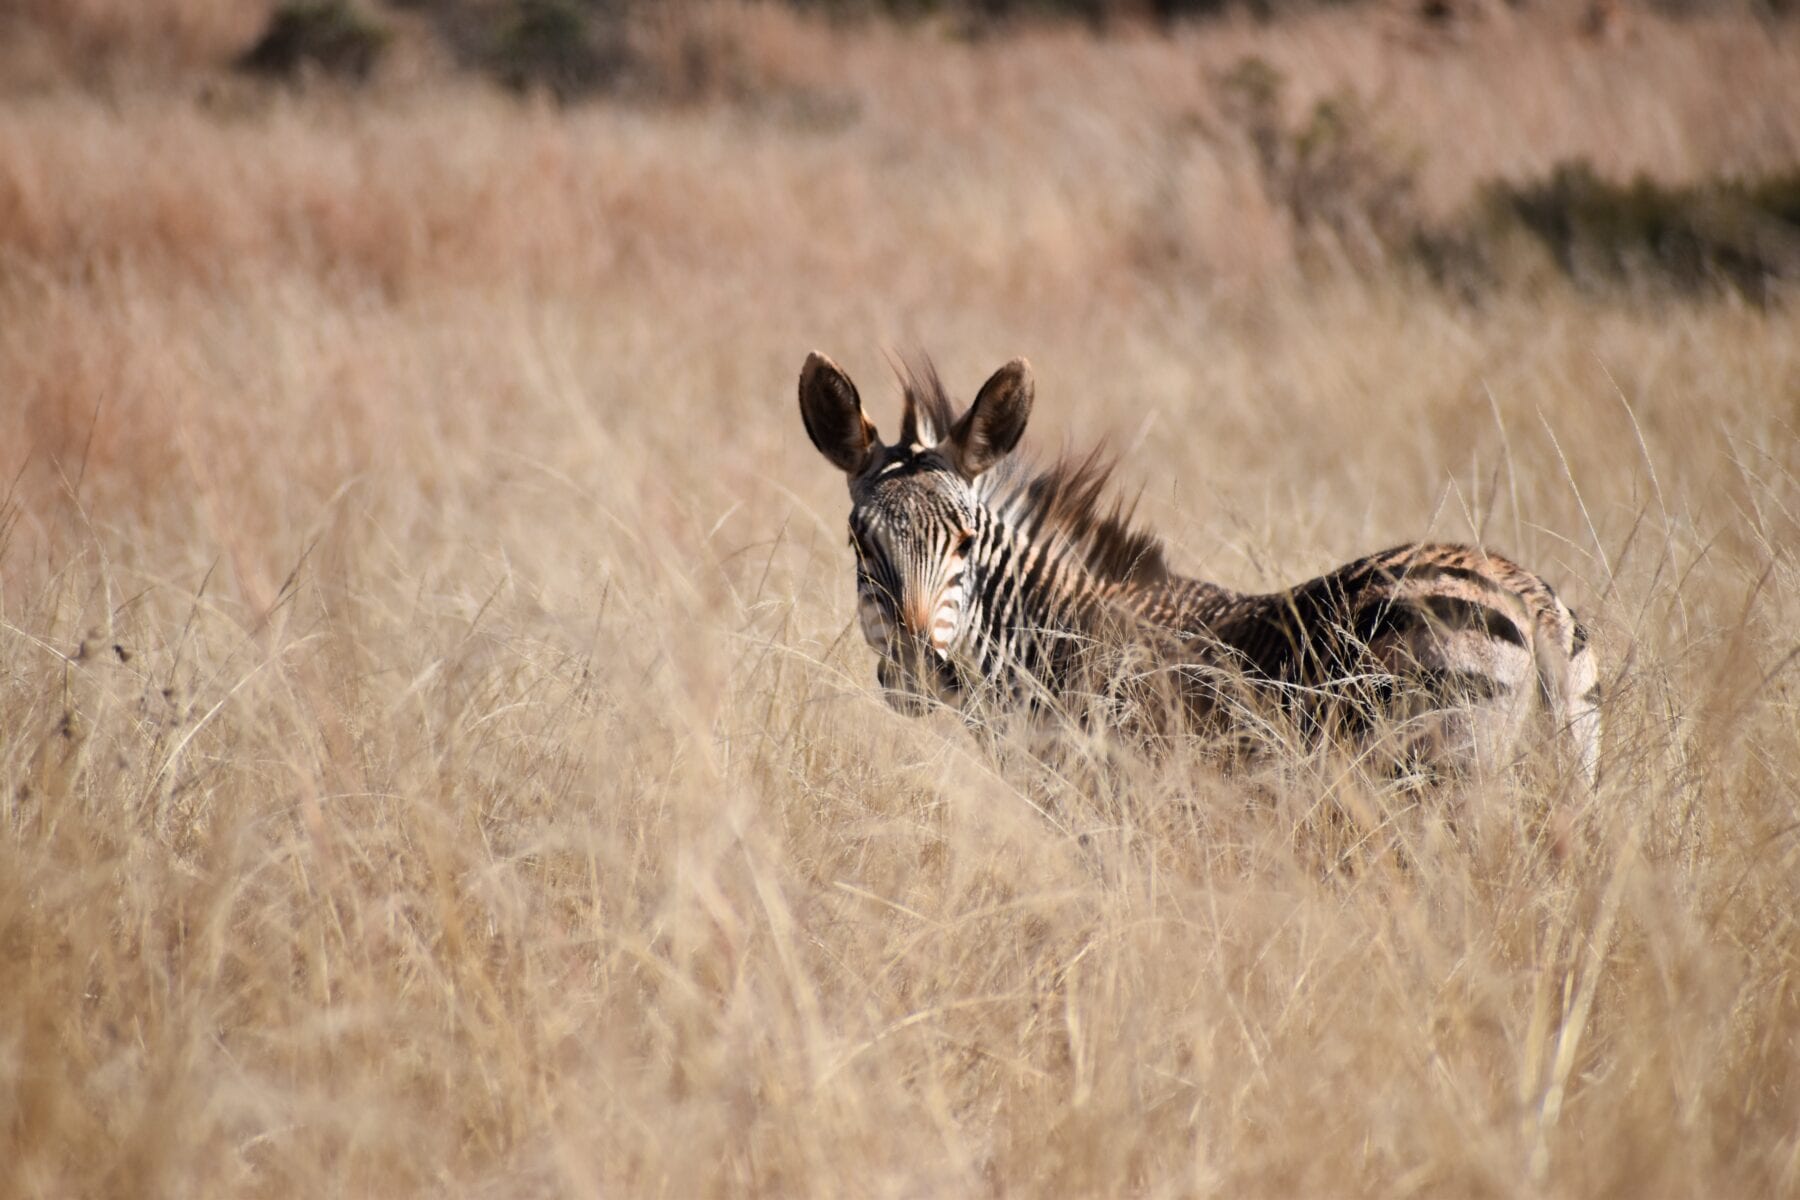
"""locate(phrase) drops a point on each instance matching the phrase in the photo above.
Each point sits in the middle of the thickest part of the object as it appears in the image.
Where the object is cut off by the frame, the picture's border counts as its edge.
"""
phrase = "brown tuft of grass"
(437, 756)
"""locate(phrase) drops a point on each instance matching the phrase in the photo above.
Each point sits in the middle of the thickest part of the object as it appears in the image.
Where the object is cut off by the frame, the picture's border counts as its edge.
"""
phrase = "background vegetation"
(436, 756)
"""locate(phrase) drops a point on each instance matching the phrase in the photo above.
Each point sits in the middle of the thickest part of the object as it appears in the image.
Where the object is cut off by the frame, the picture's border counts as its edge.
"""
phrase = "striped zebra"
(981, 581)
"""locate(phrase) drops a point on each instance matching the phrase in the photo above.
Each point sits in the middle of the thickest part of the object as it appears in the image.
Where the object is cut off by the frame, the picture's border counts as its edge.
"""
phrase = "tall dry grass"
(437, 756)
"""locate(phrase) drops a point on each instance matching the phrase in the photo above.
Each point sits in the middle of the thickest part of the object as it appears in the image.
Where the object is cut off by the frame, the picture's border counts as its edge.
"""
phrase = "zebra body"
(983, 583)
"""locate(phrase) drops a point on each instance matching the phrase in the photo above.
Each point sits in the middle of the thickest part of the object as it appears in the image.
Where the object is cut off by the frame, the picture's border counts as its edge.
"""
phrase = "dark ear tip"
(817, 362)
(1015, 374)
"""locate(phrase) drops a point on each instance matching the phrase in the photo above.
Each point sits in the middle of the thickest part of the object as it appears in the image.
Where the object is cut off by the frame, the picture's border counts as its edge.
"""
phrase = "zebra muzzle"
(916, 674)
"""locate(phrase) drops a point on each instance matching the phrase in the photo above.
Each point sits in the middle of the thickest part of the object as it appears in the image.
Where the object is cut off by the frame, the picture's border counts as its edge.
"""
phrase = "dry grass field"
(437, 756)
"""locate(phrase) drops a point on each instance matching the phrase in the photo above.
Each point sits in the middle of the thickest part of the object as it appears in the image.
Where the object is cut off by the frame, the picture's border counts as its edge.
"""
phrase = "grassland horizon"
(437, 757)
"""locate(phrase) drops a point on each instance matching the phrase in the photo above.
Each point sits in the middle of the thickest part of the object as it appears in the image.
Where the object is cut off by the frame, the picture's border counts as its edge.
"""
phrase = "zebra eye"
(964, 542)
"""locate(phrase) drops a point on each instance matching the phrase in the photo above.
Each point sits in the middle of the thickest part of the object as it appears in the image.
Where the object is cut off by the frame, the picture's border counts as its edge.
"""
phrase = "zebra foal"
(982, 582)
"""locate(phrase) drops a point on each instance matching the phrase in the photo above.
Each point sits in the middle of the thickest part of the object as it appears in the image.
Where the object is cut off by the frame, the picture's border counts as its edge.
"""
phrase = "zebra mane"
(1068, 501)
(927, 414)
(1071, 502)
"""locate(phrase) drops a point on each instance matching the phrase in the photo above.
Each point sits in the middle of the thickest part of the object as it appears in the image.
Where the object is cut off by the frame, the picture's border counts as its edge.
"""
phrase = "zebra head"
(918, 520)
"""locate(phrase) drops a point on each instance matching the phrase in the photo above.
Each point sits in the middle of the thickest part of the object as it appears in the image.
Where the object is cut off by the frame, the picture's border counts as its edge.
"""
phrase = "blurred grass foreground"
(436, 755)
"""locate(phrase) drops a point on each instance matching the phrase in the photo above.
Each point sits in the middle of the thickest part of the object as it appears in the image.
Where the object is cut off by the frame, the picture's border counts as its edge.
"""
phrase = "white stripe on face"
(945, 620)
(946, 617)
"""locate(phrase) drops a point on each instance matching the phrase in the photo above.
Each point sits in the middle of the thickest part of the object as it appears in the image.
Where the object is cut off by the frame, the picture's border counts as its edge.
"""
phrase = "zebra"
(984, 583)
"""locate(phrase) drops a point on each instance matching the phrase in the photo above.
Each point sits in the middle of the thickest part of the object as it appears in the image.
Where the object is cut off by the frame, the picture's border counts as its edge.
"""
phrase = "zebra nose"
(931, 624)
(915, 621)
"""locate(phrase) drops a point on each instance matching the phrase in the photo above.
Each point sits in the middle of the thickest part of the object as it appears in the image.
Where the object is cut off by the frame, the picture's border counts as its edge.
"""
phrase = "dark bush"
(334, 37)
(1742, 235)
(569, 48)
(670, 52)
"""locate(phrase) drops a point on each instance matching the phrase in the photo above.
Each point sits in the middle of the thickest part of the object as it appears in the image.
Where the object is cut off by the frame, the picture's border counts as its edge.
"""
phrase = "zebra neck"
(1034, 602)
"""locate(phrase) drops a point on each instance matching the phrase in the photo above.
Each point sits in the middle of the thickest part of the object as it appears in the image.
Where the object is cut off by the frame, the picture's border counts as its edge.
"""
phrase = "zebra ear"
(834, 416)
(991, 428)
